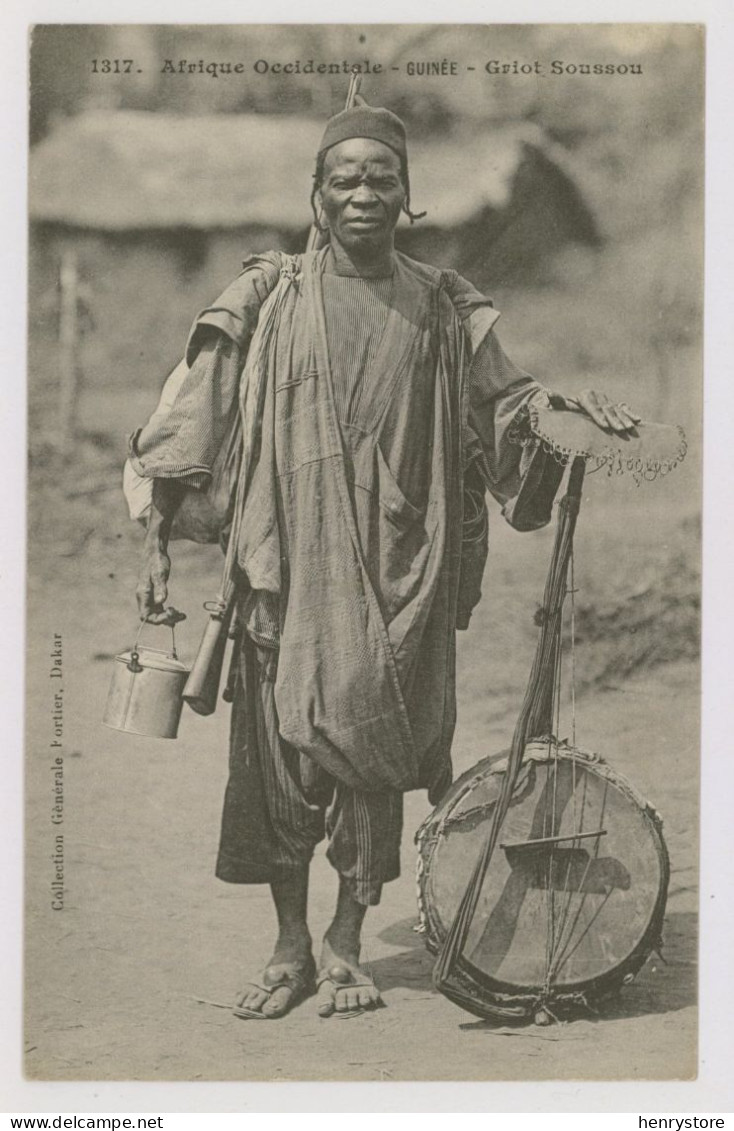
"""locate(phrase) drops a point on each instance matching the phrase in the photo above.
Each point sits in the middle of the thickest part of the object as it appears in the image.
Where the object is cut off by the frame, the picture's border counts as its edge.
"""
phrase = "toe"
(325, 1000)
(278, 1002)
(364, 998)
(252, 998)
(340, 1003)
(368, 997)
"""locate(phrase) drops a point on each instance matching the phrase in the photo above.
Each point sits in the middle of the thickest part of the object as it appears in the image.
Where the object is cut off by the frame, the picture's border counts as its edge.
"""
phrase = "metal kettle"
(145, 695)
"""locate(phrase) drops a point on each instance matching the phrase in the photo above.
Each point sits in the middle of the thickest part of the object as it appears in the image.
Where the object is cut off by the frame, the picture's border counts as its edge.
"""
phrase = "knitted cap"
(365, 121)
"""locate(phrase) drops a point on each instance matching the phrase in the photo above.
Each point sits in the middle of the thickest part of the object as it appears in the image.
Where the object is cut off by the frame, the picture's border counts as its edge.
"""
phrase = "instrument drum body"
(573, 901)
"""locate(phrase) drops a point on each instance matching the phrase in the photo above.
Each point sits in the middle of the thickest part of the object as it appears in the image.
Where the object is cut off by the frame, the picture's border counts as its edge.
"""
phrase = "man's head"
(361, 181)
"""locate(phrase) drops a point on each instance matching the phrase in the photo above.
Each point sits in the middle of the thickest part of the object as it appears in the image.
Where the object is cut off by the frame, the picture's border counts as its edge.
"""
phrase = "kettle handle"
(134, 664)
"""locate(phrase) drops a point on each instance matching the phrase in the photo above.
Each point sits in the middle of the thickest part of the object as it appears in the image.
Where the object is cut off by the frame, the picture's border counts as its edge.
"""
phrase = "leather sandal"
(273, 978)
(341, 977)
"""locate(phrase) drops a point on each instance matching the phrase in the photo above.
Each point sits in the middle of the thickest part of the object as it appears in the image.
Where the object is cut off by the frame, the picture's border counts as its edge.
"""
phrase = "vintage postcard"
(365, 388)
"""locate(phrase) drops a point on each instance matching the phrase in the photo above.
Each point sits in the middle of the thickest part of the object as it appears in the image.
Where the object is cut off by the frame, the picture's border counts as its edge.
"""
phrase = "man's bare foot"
(344, 987)
(288, 978)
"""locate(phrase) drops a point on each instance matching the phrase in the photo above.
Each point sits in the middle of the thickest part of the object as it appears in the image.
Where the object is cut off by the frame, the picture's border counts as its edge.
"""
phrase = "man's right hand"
(152, 589)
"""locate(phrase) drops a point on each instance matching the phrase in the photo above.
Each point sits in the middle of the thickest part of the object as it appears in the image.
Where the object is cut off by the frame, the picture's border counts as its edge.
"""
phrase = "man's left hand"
(611, 417)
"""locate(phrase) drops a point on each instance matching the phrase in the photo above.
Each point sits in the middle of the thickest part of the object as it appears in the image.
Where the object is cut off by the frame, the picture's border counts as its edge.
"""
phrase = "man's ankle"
(294, 932)
(344, 941)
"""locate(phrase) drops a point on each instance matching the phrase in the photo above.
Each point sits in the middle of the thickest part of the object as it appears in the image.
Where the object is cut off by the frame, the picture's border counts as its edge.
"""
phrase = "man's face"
(362, 193)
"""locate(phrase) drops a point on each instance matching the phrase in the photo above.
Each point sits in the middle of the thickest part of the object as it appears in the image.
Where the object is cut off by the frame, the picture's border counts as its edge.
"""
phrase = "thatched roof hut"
(152, 214)
(133, 172)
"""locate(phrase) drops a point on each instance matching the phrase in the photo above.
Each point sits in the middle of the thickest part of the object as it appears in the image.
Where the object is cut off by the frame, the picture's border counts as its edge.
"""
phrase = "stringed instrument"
(543, 874)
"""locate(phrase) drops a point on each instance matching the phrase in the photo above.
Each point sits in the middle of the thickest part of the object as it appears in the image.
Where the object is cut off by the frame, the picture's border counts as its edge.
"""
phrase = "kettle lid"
(154, 658)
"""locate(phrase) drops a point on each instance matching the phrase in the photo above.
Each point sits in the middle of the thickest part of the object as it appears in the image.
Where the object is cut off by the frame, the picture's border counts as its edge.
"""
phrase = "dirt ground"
(113, 979)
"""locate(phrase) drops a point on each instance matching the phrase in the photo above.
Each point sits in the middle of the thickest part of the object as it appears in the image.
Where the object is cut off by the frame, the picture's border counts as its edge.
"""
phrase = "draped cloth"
(350, 542)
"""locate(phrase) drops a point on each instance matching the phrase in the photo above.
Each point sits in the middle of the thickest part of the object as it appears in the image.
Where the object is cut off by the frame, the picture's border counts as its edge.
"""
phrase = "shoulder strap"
(235, 312)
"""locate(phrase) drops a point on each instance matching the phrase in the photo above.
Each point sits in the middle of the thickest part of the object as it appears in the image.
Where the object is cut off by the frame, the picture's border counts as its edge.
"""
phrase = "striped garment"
(279, 805)
(387, 343)
(356, 312)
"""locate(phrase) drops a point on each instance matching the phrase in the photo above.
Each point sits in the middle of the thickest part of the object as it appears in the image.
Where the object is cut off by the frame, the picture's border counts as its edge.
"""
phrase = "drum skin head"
(574, 897)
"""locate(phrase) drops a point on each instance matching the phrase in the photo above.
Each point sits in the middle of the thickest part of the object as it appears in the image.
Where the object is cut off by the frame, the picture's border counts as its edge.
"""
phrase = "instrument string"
(557, 819)
(585, 931)
(552, 793)
(548, 831)
(555, 828)
(537, 705)
(562, 957)
(568, 894)
(576, 826)
(555, 944)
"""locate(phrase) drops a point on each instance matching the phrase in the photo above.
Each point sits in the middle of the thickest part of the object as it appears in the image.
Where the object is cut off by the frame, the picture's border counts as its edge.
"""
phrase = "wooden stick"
(553, 839)
(68, 349)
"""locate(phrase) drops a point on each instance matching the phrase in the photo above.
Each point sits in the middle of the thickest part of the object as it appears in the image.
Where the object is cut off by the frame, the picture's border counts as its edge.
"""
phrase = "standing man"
(387, 408)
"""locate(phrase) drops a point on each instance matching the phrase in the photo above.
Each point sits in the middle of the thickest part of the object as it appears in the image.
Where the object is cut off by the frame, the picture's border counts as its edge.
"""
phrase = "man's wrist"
(167, 496)
(156, 538)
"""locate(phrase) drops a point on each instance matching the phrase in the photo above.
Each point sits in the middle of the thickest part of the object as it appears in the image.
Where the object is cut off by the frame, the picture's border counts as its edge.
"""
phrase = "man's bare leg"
(339, 961)
(292, 954)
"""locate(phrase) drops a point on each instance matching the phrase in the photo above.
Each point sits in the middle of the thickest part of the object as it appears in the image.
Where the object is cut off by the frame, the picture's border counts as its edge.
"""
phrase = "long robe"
(351, 545)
